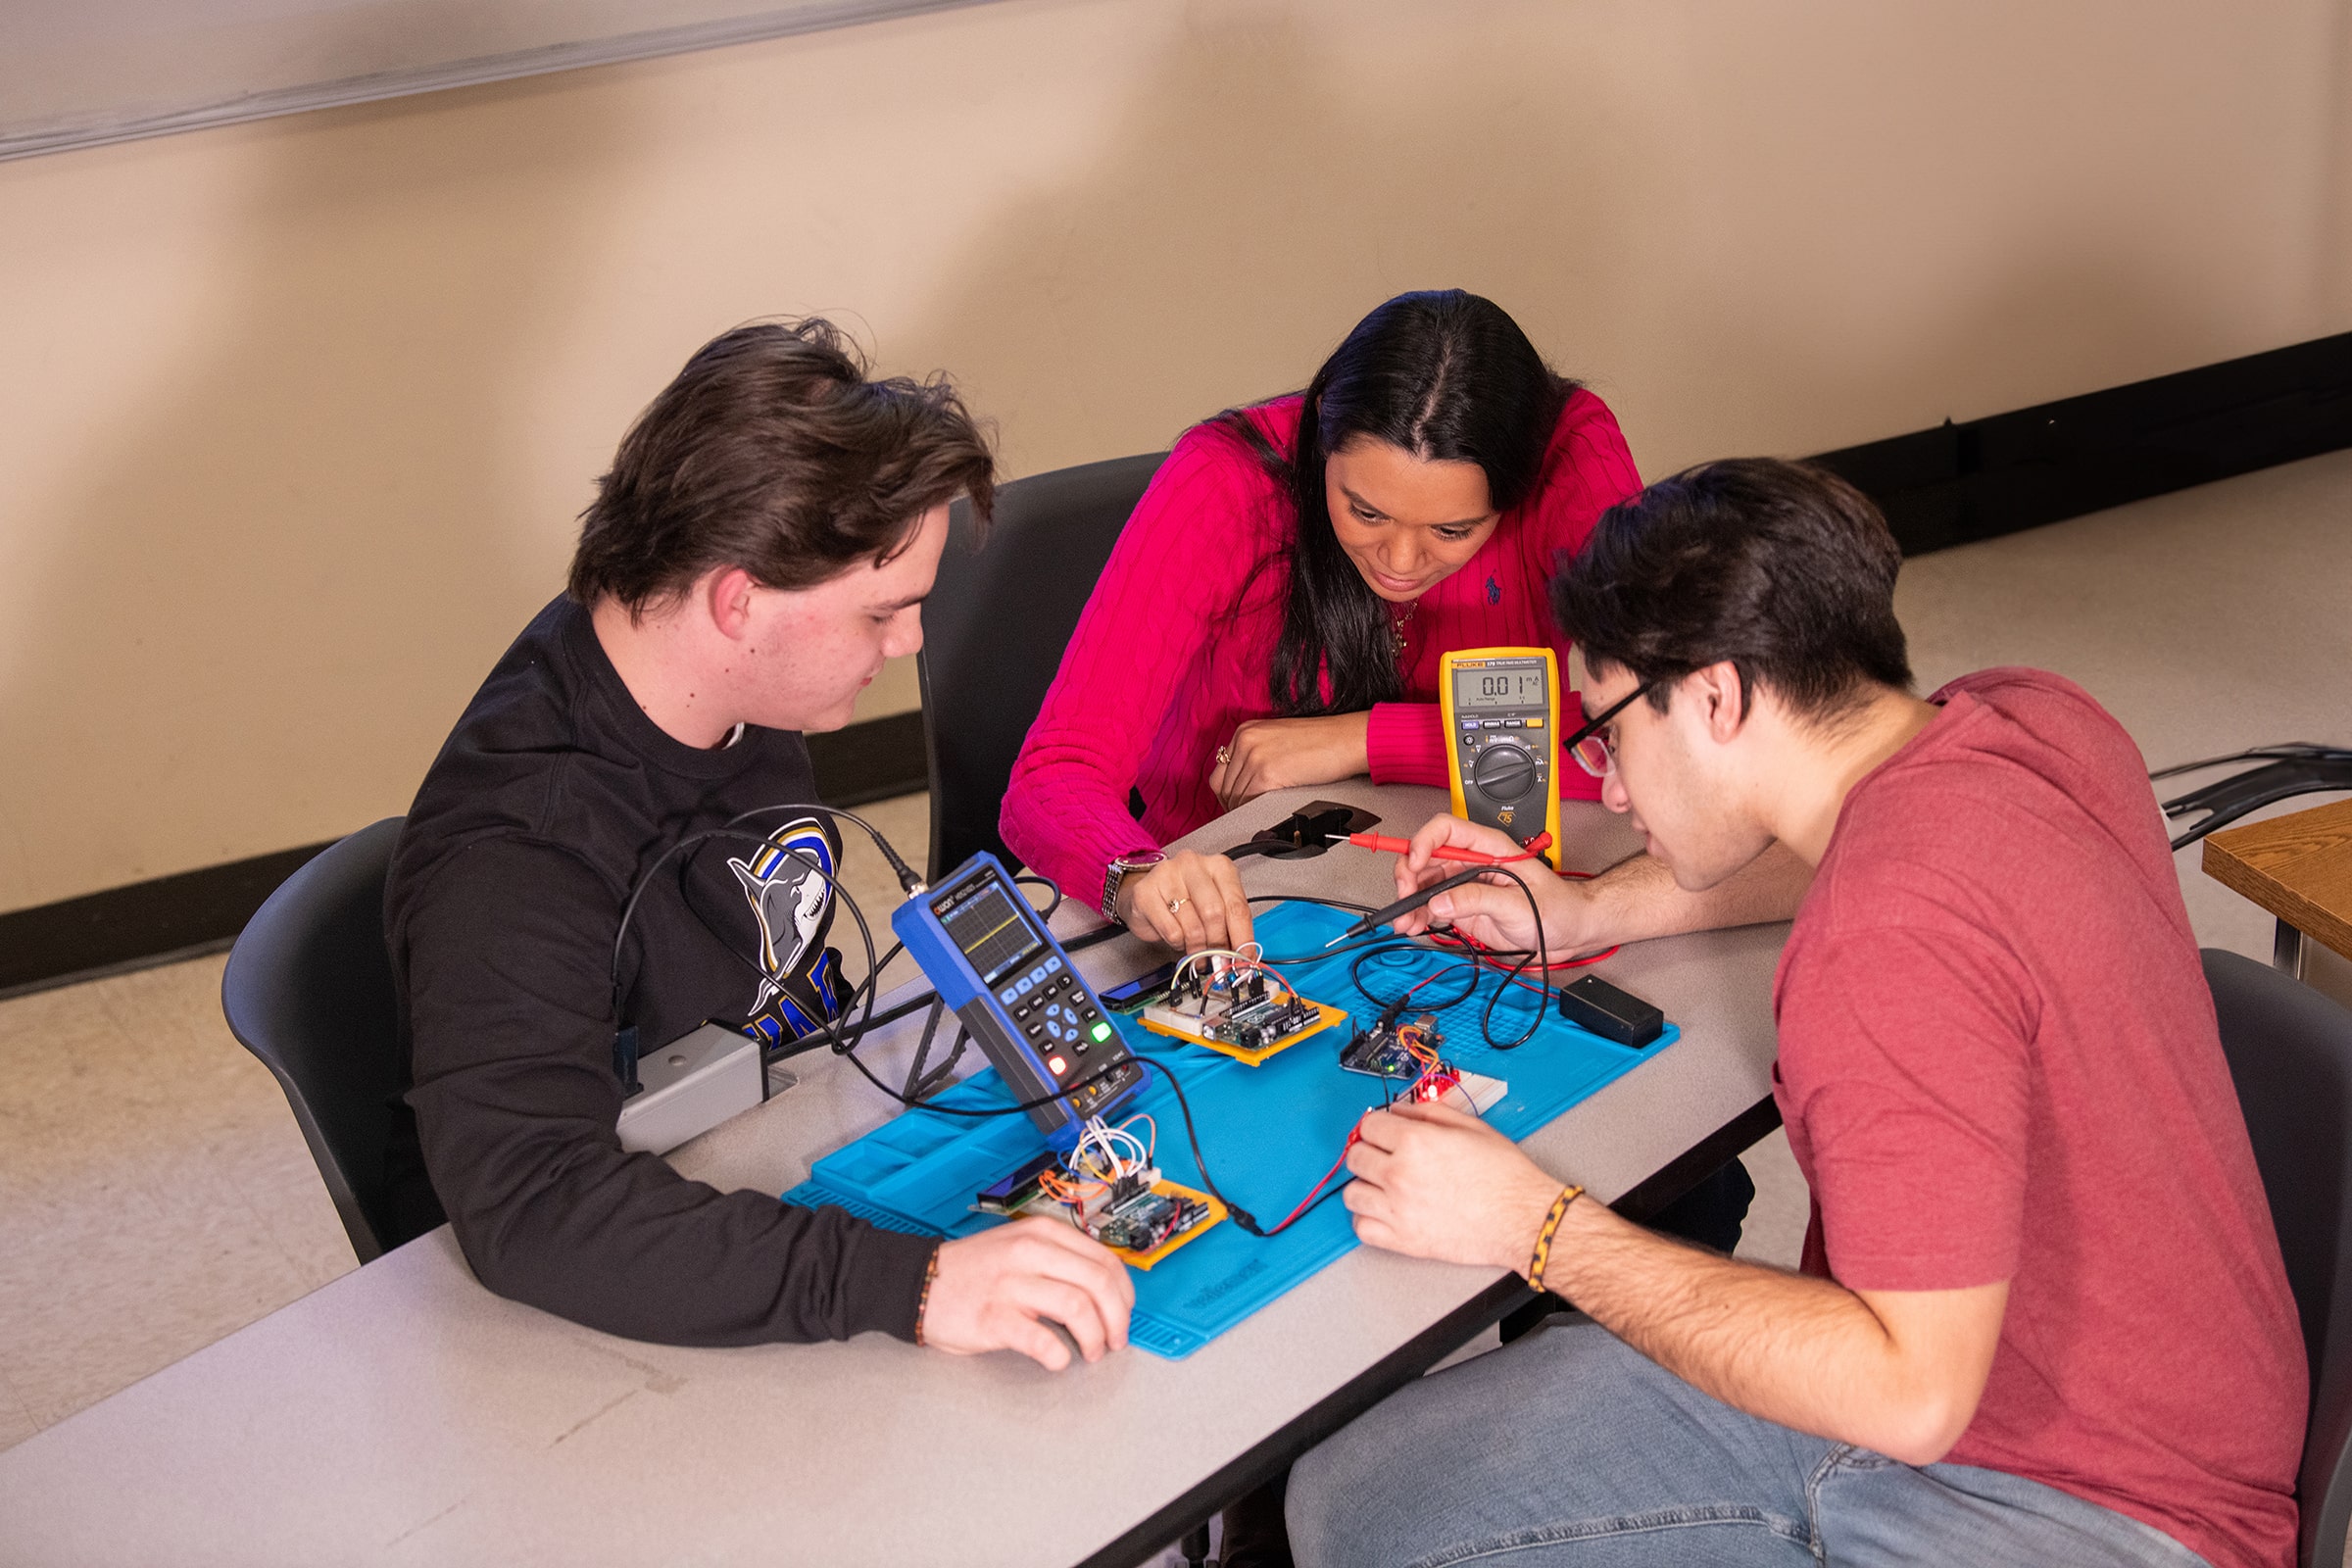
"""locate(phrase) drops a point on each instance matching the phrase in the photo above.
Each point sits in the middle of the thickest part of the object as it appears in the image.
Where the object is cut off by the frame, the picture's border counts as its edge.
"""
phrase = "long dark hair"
(1445, 376)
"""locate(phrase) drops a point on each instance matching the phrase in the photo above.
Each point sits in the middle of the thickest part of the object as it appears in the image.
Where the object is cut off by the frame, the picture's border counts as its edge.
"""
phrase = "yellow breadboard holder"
(1248, 1057)
(1216, 1213)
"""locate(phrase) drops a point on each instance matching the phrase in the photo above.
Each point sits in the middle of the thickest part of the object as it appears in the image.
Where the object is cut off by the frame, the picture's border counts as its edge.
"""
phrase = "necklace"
(1398, 624)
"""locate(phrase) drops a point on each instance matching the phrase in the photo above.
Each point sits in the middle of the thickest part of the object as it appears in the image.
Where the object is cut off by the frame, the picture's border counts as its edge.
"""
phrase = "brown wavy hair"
(773, 450)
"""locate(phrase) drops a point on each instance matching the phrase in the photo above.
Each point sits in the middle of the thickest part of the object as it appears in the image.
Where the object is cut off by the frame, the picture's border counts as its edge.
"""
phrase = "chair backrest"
(2290, 1055)
(995, 629)
(309, 990)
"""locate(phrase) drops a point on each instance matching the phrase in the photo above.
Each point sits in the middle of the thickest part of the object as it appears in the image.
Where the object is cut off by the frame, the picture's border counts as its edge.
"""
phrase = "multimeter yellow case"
(1501, 708)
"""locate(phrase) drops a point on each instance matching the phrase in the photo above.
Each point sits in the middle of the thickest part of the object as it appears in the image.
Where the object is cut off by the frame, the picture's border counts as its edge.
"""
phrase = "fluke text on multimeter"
(1501, 708)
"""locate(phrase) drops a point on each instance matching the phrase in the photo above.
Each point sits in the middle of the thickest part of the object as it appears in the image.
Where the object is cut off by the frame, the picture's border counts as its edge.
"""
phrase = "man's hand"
(1432, 1182)
(994, 1291)
(1280, 754)
(1630, 902)
(1494, 910)
(1210, 908)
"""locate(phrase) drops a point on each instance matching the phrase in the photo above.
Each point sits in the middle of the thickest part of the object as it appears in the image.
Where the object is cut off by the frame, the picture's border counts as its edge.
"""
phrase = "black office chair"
(995, 629)
(309, 990)
(2291, 1053)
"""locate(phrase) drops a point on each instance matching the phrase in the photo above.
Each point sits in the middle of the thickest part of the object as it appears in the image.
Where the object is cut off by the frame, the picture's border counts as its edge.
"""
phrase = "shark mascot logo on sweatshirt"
(787, 881)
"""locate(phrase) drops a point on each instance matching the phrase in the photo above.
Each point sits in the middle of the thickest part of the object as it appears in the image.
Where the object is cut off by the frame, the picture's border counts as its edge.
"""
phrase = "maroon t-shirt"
(1998, 1061)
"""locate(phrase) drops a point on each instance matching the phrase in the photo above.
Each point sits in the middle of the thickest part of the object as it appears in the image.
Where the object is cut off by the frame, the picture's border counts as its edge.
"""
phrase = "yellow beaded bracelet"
(1551, 1223)
(922, 1303)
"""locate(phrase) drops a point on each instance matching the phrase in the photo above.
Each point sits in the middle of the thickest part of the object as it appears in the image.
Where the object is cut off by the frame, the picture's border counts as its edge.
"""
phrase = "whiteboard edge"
(545, 60)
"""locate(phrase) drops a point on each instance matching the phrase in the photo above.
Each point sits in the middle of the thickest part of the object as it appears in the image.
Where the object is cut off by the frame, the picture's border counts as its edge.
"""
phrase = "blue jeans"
(1567, 1447)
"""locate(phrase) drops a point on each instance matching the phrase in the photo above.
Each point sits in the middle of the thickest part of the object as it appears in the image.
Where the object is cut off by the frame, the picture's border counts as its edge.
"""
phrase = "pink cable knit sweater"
(1174, 650)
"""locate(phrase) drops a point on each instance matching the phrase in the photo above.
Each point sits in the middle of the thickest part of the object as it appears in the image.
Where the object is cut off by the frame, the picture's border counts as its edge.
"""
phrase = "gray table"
(404, 1414)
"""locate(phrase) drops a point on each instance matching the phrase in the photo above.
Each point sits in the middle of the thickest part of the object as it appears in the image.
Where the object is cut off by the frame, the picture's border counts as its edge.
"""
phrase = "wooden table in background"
(2297, 866)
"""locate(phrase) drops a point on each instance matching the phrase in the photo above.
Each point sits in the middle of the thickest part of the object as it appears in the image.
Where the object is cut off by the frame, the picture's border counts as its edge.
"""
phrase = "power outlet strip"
(691, 1084)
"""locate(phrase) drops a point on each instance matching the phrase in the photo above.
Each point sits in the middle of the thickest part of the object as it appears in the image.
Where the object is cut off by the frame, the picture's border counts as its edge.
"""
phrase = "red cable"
(1383, 844)
(1485, 954)
(1307, 1202)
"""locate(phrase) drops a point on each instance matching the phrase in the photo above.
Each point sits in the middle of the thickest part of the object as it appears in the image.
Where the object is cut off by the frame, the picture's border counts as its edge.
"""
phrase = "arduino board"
(1407, 1056)
(1242, 1009)
(1140, 1216)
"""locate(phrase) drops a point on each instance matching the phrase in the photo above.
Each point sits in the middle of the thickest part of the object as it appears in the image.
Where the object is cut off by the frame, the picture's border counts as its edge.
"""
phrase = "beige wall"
(297, 415)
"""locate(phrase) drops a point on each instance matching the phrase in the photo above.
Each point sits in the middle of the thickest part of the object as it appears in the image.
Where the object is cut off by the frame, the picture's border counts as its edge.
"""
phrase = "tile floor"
(154, 1195)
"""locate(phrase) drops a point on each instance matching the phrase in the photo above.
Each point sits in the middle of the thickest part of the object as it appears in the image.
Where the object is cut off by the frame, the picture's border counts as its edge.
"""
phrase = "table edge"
(1279, 1449)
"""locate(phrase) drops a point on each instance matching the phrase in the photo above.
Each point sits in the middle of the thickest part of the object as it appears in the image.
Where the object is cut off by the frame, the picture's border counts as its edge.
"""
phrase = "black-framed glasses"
(1590, 751)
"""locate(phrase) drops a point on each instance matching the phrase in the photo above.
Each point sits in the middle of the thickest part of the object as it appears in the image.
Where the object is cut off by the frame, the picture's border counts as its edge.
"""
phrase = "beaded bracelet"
(1551, 1223)
(922, 1303)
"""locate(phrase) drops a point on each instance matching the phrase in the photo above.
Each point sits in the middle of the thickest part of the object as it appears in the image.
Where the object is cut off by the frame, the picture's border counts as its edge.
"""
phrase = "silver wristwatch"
(1120, 867)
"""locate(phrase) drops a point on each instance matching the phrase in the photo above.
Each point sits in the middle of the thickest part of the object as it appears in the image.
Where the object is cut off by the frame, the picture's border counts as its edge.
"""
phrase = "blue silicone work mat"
(1269, 1132)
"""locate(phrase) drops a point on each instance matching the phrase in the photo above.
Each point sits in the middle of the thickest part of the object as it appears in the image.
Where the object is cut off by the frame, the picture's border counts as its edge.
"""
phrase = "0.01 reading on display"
(1503, 688)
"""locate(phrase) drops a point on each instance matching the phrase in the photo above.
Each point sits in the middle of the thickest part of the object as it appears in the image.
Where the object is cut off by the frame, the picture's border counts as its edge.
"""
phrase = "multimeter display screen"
(987, 927)
(1499, 688)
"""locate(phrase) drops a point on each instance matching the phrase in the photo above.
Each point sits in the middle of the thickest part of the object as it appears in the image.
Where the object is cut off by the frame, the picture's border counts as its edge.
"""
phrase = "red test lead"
(1383, 842)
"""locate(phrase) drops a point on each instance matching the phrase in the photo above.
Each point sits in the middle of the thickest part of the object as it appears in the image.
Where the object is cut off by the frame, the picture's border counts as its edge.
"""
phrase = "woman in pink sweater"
(1274, 612)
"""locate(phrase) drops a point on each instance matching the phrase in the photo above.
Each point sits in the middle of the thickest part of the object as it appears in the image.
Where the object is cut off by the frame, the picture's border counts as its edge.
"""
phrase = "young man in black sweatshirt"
(763, 543)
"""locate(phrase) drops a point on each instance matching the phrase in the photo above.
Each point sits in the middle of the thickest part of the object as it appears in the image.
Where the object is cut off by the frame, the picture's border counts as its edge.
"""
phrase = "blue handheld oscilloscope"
(991, 960)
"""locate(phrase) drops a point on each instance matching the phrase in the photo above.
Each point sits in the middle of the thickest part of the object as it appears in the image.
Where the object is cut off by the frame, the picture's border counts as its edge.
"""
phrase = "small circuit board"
(1397, 1050)
(1406, 1056)
(1471, 1092)
(1243, 1010)
(1149, 1224)
(1138, 1216)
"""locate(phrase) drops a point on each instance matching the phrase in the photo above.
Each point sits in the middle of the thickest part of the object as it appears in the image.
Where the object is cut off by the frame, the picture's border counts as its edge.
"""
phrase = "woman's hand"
(1189, 901)
(1280, 754)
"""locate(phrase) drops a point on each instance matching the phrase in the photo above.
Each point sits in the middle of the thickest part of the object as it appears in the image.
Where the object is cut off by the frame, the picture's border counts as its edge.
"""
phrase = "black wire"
(1029, 879)
(827, 1027)
(2288, 750)
(915, 1076)
(866, 989)
(1376, 942)
(1542, 951)
(1396, 1004)
(1022, 1109)
(1192, 1136)
(923, 999)
(1365, 943)
(828, 1033)
(909, 882)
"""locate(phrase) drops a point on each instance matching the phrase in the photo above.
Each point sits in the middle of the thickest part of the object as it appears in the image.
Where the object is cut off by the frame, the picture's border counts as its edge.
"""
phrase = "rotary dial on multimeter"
(1501, 711)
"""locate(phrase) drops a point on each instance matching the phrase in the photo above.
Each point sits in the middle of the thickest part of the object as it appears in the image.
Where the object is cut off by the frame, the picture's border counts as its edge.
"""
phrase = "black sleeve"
(507, 951)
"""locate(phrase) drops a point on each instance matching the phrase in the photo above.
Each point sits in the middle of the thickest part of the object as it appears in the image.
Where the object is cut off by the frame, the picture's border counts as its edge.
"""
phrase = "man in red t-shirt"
(2042, 1317)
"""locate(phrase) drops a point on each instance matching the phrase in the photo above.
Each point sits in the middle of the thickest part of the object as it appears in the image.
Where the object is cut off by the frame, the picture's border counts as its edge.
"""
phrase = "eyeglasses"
(1590, 751)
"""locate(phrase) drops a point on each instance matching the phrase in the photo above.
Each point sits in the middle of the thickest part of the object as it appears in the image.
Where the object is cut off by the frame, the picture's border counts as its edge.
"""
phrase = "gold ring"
(1176, 903)
(1224, 754)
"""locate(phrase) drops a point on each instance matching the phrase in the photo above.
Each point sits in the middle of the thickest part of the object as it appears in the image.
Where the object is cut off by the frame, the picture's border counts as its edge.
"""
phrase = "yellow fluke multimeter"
(1502, 722)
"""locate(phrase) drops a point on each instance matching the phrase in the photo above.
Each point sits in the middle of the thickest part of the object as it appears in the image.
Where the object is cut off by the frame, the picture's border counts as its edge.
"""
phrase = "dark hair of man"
(1443, 376)
(1781, 569)
(773, 450)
